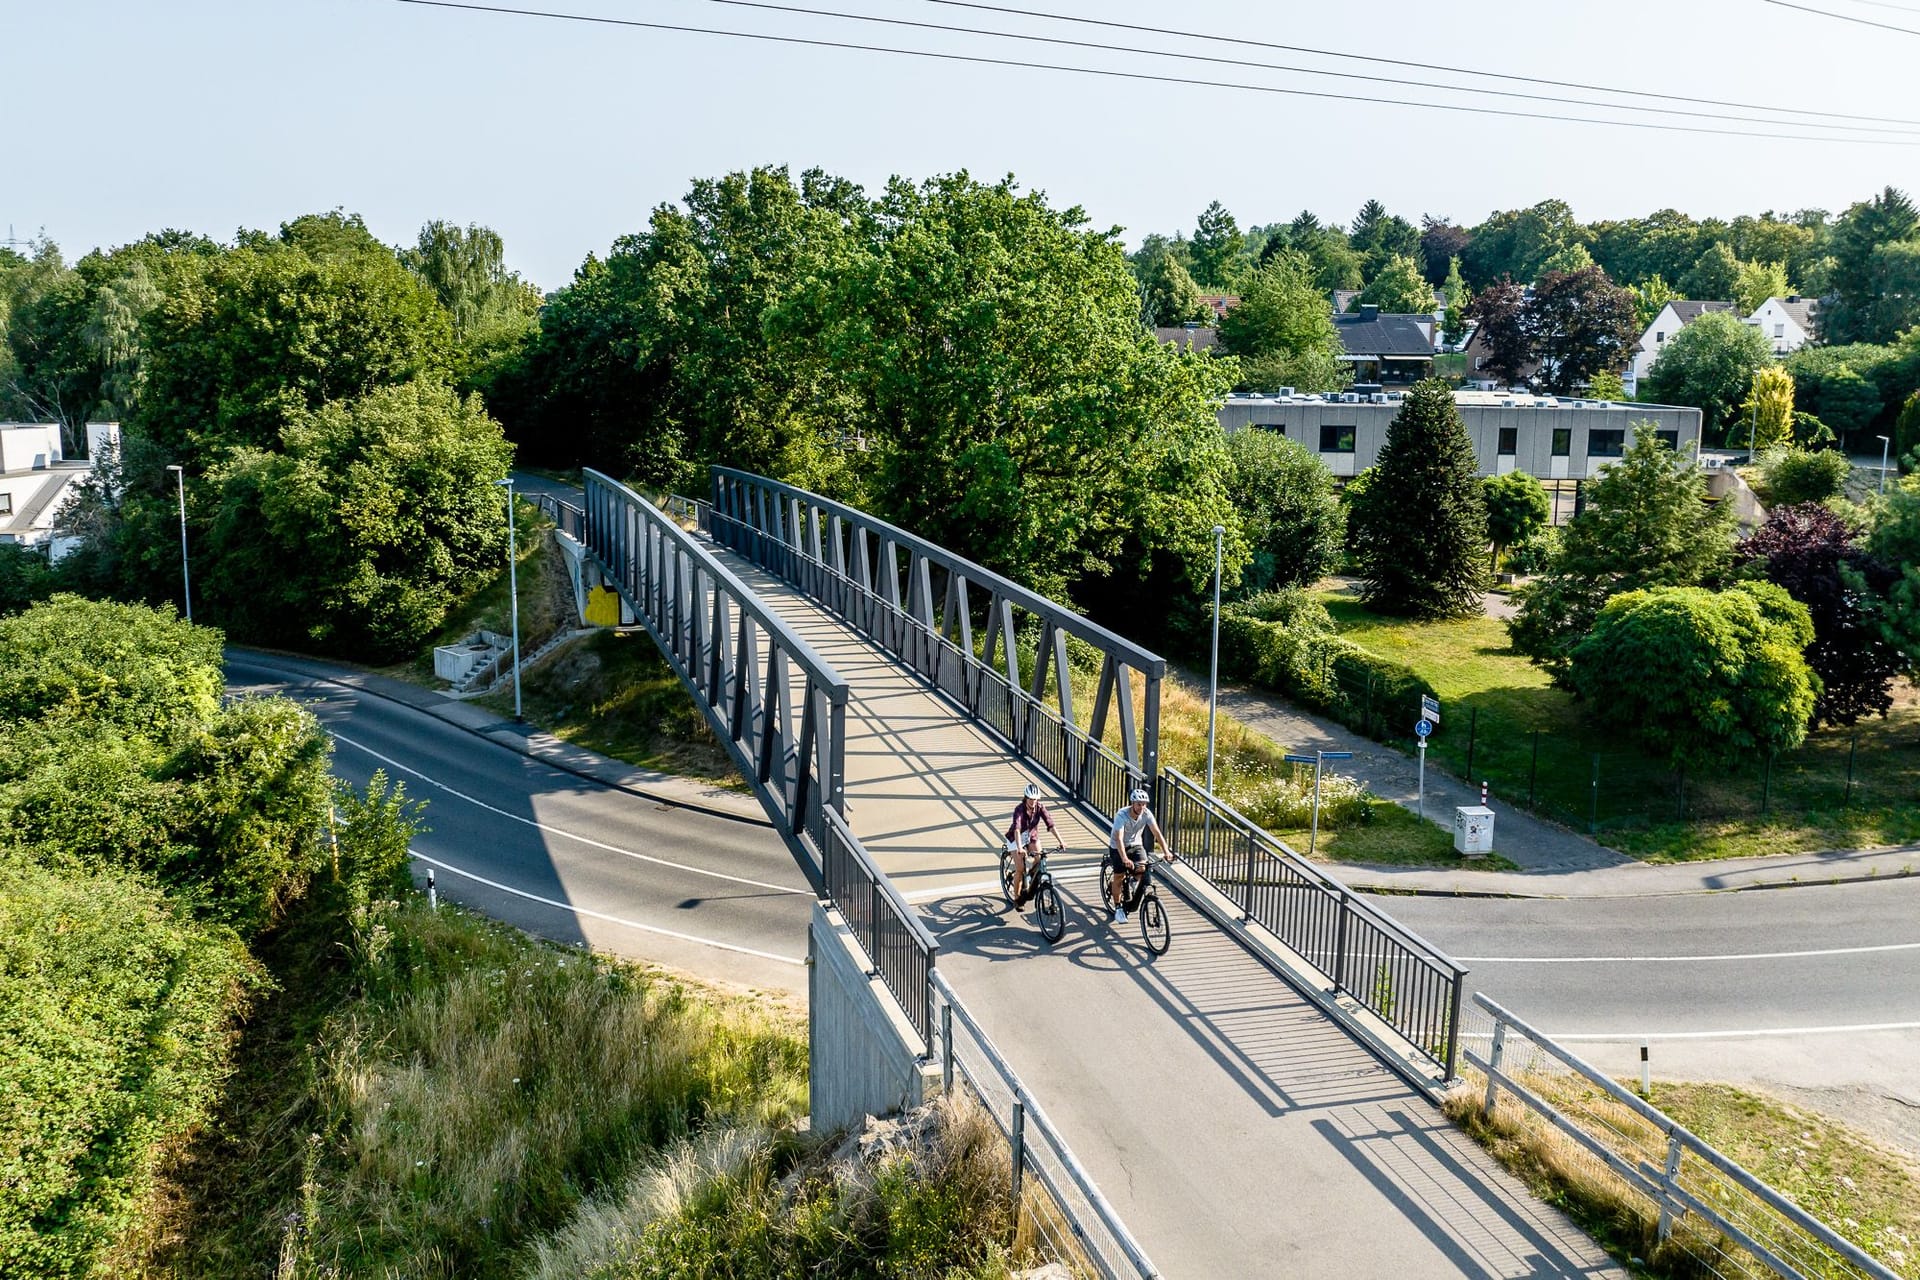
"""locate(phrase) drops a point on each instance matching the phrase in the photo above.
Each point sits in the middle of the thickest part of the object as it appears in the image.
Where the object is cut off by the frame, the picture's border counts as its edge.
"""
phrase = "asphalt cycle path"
(665, 871)
(1236, 1129)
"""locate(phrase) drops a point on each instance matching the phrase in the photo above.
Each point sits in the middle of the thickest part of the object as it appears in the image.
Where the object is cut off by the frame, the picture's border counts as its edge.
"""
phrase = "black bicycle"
(1143, 900)
(1040, 891)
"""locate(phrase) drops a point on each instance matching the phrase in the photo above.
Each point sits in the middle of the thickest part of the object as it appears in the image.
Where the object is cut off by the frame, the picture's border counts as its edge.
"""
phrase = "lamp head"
(174, 466)
(504, 484)
(1219, 531)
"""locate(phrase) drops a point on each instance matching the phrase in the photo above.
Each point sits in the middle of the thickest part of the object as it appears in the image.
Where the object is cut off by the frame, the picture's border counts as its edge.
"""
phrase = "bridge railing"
(920, 602)
(566, 517)
(1406, 982)
(1074, 1222)
(1592, 1130)
(898, 944)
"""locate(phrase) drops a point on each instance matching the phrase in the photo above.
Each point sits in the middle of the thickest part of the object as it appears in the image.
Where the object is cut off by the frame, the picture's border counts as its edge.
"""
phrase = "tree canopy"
(1290, 512)
(1283, 330)
(1709, 365)
(1420, 527)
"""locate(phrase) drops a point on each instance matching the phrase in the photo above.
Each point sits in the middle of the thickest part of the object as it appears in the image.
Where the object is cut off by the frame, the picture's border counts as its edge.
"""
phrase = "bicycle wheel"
(1154, 926)
(1053, 916)
(1007, 887)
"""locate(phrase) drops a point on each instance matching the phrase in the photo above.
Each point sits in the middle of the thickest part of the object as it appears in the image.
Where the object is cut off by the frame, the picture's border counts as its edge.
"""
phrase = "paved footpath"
(1554, 862)
(1237, 1130)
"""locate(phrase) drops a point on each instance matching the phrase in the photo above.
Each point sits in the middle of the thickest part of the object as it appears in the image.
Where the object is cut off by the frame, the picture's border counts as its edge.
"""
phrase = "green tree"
(1866, 305)
(360, 534)
(262, 334)
(1379, 237)
(1769, 408)
(25, 577)
(1906, 434)
(1709, 365)
(1218, 249)
(1790, 477)
(1577, 325)
(1715, 277)
(1500, 310)
(1517, 508)
(1842, 385)
(126, 667)
(1757, 282)
(1650, 298)
(1283, 331)
(1646, 523)
(1573, 258)
(1895, 541)
(494, 311)
(1704, 678)
(1516, 244)
(1457, 299)
(1168, 295)
(1420, 529)
(1398, 288)
(1290, 512)
(1607, 385)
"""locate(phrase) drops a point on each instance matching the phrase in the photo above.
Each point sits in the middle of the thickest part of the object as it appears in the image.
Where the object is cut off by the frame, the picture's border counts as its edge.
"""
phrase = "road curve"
(562, 855)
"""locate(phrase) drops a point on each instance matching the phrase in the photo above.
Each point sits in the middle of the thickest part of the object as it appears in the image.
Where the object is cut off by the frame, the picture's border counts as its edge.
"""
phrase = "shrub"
(1312, 666)
(1292, 608)
(114, 1016)
(1789, 477)
(1534, 555)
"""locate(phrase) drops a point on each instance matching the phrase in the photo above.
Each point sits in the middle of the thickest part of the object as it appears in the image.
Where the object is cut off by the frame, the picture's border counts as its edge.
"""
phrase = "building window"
(1336, 439)
(1660, 335)
(1780, 331)
(1479, 363)
(1671, 439)
(6, 504)
(1562, 442)
(1509, 441)
(1606, 444)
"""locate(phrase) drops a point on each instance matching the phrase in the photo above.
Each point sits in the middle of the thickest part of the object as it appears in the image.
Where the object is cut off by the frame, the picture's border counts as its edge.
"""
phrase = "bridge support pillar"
(863, 1056)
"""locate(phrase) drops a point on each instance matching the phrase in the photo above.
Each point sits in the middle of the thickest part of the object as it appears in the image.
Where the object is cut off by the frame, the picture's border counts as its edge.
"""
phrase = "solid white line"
(1634, 1038)
(559, 831)
(1751, 955)
(601, 915)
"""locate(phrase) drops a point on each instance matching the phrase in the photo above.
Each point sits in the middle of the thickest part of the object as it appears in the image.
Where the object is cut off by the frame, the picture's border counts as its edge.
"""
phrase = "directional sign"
(1429, 708)
(1424, 728)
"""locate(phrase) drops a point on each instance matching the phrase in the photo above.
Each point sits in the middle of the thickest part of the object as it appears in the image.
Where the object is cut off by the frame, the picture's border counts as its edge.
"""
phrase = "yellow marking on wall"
(603, 607)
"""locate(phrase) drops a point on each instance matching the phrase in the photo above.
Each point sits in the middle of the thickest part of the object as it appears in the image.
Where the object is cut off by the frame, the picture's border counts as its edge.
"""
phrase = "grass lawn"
(1534, 745)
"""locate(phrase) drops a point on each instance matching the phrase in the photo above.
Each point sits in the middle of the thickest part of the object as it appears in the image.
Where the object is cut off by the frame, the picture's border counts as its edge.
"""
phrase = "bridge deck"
(1237, 1130)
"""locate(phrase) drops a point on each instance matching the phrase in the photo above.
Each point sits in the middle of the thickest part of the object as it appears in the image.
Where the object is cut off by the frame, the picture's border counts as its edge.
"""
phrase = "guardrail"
(901, 948)
(1723, 1216)
(1087, 1232)
(566, 517)
(1408, 983)
(852, 563)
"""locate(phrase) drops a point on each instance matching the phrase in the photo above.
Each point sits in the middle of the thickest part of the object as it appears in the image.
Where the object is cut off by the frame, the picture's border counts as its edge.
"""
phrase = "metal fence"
(1073, 1225)
(566, 517)
(920, 602)
(1619, 1149)
(1408, 983)
(900, 947)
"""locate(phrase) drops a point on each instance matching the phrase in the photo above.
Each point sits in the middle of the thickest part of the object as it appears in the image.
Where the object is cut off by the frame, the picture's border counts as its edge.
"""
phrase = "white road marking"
(601, 915)
(1634, 1038)
(1751, 955)
(560, 831)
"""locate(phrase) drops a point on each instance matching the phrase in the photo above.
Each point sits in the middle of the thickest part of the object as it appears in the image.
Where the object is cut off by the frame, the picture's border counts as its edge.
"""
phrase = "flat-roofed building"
(36, 477)
(1553, 438)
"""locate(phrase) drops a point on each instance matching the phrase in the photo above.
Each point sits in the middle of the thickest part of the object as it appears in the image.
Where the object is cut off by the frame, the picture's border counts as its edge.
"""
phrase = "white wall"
(28, 446)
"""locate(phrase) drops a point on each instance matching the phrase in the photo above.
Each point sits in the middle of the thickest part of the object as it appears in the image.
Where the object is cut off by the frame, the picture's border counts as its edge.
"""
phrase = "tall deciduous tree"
(1500, 311)
(1517, 508)
(1283, 330)
(1866, 306)
(1578, 324)
(1705, 678)
(1441, 244)
(1709, 365)
(1398, 288)
(1714, 277)
(1758, 281)
(1420, 530)
(1290, 512)
(493, 309)
(1814, 553)
(1218, 248)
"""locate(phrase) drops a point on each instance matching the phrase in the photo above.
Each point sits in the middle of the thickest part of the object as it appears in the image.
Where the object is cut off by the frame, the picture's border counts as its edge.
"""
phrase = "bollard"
(946, 1047)
(1646, 1087)
(1018, 1139)
(1483, 793)
(433, 894)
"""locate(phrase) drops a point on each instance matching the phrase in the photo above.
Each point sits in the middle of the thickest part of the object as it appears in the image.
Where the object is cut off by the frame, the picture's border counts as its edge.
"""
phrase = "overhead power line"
(917, 24)
(1845, 17)
(1513, 77)
(1149, 77)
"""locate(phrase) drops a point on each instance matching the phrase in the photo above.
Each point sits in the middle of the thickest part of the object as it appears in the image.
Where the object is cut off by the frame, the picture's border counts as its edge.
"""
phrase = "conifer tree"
(1420, 529)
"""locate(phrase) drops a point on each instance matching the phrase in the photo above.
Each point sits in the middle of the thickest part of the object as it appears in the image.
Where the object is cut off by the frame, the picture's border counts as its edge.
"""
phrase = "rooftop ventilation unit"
(1285, 393)
(1506, 401)
(1378, 397)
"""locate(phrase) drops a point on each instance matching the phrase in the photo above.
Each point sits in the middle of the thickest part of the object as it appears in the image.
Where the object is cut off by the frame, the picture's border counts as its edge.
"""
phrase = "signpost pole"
(1429, 716)
(1423, 776)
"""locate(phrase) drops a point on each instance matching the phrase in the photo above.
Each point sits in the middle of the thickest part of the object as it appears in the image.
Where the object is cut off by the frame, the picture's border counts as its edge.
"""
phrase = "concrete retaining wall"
(864, 1057)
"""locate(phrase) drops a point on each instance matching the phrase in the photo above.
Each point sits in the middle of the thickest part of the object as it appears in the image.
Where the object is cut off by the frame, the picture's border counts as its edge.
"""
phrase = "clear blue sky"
(130, 115)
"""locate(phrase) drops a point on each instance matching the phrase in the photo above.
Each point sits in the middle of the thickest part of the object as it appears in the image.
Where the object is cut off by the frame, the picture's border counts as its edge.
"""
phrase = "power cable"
(1419, 66)
(1845, 17)
(1142, 76)
(1305, 71)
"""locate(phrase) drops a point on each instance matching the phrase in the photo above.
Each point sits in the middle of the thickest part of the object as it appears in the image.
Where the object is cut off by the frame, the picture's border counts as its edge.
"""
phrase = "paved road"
(698, 882)
(1811, 991)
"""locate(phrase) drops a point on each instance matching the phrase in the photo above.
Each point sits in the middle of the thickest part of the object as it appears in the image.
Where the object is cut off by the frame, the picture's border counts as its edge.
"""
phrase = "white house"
(36, 477)
(1673, 317)
(1786, 323)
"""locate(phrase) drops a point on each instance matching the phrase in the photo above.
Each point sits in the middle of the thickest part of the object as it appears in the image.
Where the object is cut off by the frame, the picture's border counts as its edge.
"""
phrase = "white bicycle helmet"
(1138, 797)
(1032, 792)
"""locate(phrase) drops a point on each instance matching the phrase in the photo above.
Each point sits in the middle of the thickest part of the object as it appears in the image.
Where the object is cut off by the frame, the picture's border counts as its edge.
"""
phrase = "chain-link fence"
(1671, 1196)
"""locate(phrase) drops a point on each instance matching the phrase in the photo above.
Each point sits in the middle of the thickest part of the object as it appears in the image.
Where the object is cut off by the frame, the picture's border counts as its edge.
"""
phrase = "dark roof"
(1192, 337)
(1800, 310)
(1689, 311)
(1369, 333)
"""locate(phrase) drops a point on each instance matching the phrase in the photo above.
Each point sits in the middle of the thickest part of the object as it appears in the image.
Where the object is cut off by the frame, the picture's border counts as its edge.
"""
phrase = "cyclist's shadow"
(982, 925)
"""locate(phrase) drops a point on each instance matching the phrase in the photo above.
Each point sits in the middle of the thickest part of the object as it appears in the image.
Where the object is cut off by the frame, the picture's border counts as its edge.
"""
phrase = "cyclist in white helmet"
(1023, 833)
(1127, 855)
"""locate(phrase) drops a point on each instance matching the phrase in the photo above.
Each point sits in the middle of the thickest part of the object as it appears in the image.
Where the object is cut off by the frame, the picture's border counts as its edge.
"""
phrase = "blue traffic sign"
(1424, 728)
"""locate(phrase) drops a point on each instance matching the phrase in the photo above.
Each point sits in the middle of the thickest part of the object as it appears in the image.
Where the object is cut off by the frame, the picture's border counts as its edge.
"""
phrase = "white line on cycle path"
(560, 831)
(1751, 955)
(601, 915)
(1624, 1037)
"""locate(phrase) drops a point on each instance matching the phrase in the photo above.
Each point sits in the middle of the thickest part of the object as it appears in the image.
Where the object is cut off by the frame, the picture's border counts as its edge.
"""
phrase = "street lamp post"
(1317, 760)
(1884, 445)
(513, 590)
(186, 581)
(1213, 680)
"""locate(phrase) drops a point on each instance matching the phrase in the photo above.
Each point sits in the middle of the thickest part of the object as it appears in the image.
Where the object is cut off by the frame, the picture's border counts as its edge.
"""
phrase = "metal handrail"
(1037, 1117)
(1686, 1139)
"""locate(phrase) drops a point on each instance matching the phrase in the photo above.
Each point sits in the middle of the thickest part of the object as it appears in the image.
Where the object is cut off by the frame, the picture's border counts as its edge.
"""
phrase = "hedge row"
(1297, 655)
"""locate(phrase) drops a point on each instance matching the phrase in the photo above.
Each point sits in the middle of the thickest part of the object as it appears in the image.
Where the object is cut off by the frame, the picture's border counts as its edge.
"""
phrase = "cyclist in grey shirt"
(1127, 855)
